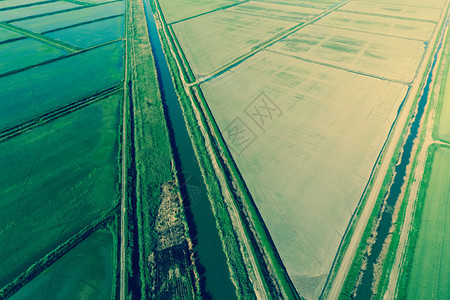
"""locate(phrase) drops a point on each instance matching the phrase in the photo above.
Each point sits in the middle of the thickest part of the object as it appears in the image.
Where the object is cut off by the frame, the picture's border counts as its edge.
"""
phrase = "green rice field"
(91, 34)
(30, 51)
(85, 272)
(56, 179)
(430, 258)
(60, 174)
(50, 86)
(66, 19)
(7, 35)
(28, 11)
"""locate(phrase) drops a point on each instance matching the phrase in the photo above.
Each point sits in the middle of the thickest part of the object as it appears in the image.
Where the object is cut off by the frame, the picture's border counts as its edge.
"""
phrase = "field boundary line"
(340, 68)
(47, 117)
(264, 44)
(40, 38)
(26, 5)
(50, 13)
(388, 16)
(51, 257)
(83, 23)
(208, 12)
(59, 58)
(376, 33)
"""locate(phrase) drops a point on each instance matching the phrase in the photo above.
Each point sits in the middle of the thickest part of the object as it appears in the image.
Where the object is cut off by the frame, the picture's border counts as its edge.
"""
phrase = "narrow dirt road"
(124, 176)
(396, 135)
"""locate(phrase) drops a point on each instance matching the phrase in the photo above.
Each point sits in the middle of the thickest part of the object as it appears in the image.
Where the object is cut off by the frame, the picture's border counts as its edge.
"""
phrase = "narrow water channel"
(364, 290)
(216, 282)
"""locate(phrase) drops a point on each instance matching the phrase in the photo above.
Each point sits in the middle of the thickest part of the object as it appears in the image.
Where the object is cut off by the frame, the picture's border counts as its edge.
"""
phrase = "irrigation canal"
(364, 290)
(211, 260)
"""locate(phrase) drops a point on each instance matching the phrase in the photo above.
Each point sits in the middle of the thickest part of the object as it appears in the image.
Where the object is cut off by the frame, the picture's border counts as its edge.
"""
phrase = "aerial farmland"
(224, 149)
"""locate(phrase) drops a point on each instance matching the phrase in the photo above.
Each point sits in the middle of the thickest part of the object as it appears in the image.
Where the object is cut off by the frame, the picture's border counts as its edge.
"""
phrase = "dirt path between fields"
(396, 135)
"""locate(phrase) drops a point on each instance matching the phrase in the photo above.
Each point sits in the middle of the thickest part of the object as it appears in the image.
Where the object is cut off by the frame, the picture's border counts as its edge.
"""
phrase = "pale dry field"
(176, 10)
(306, 168)
(213, 40)
(410, 29)
(398, 9)
(308, 3)
(277, 11)
(360, 52)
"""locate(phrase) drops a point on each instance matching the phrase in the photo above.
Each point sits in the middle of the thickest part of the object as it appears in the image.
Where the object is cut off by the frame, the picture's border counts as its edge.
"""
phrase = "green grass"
(30, 51)
(427, 265)
(441, 129)
(35, 91)
(85, 272)
(91, 34)
(56, 179)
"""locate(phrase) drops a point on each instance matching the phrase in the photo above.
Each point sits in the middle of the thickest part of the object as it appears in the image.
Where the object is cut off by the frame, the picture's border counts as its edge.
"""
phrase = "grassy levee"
(411, 250)
(445, 88)
(354, 271)
(55, 254)
(224, 225)
(150, 158)
(249, 215)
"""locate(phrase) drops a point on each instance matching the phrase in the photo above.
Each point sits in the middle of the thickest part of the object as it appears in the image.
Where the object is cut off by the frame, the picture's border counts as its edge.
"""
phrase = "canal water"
(212, 266)
(364, 290)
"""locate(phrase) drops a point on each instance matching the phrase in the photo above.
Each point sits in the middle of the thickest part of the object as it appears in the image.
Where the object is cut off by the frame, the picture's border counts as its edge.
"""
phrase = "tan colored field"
(378, 24)
(211, 41)
(418, 3)
(308, 3)
(394, 10)
(277, 11)
(309, 163)
(176, 10)
(360, 52)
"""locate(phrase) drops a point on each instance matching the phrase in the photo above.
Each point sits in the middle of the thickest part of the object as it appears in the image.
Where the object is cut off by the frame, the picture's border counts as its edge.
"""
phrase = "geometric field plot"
(27, 52)
(85, 272)
(54, 180)
(65, 19)
(35, 91)
(306, 149)
(213, 40)
(12, 3)
(277, 11)
(360, 52)
(379, 24)
(34, 10)
(91, 34)
(424, 11)
(7, 35)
